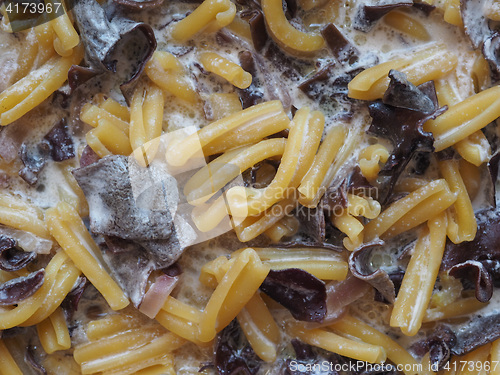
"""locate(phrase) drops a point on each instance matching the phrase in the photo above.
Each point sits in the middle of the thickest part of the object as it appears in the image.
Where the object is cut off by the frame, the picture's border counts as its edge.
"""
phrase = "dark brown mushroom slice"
(20, 288)
(12, 258)
(61, 142)
(367, 15)
(303, 294)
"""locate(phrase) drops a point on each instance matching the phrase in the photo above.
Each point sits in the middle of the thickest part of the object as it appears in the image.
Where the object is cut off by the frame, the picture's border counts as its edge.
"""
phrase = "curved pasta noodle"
(462, 225)
(300, 149)
(351, 326)
(369, 159)
(350, 226)
(20, 215)
(233, 291)
(460, 307)
(452, 13)
(363, 206)
(146, 123)
(136, 347)
(226, 69)
(219, 172)
(70, 232)
(416, 288)
(37, 86)
(180, 318)
(465, 118)
(406, 24)
(253, 226)
(67, 37)
(313, 181)
(287, 36)
(337, 344)
(165, 70)
(7, 364)
(410, 211)
(26, 309)
(211, 15)
(426, 65)
(263, 114)
(53, 332)
(259, 328)
(286, 227)
(475, 148)
(324, 264)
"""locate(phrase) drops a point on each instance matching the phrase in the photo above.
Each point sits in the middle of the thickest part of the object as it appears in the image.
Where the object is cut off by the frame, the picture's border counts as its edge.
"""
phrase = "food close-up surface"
(249, 187)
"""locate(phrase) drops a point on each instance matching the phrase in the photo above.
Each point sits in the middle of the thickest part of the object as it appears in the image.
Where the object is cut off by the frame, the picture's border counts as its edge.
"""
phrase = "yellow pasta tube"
(236, 288)
(263, 114)
(116, 109)
(416, 288)
(44, 88)
(231, 72)
(429, 64)
(215, 175)
(165, 70)
(64, 282)
(462, 225)
(7, 364)
(110, 345)
(67, 37)
(465, 118)
(352, 227)
(287, 36)
(300, 149)
(53, 332)
(156, 347)
(407, 25)
(410, 211)
(324, 264)
(45, 38)
(180, 318)
(337, 344)
(288, 226)
(259, 328)
(244, 135)
(461, 307)
(253, 226)
(362, 206)
(452, 13)
(211, 14)
(92, 114)
(369, 159)
(23, 220)
(315, 176)
(70, 232)
(146, 122)
(108, 326)
(354, 327)
(113, 139)
(475, 148)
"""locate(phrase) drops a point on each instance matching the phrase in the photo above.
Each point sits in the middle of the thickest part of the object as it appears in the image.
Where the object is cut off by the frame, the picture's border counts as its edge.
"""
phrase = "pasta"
(285, 34)
(226, 69)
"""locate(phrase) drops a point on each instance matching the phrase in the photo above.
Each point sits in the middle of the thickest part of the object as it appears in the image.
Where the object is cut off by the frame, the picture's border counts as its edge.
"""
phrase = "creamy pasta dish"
(249, 187)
